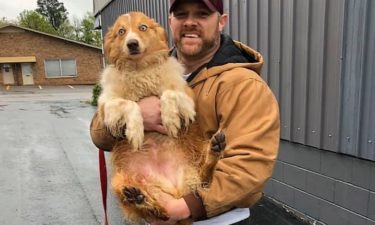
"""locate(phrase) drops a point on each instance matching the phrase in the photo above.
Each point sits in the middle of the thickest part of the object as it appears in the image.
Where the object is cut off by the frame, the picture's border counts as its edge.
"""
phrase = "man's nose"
(190, 21)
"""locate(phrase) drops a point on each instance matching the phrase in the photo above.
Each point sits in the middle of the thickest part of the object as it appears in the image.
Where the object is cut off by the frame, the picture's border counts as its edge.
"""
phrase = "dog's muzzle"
(133, 46)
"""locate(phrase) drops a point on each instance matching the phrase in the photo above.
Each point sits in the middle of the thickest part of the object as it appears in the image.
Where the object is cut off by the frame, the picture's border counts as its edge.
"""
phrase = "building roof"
(50, 35)
(17, 59)
(99, 5)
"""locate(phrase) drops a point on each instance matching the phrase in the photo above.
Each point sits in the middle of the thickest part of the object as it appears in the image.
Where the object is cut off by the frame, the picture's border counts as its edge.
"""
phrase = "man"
(230, 95)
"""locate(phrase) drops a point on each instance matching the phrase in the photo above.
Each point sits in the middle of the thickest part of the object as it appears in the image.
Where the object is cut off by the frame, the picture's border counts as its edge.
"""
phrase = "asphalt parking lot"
(48, 165)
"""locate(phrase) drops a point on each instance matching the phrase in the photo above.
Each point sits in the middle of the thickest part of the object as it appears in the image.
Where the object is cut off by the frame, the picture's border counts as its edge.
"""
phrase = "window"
(6, 67)
(60, 68)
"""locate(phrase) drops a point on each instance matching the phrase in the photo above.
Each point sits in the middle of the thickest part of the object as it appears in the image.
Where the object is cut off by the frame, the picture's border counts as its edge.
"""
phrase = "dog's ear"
(160, 31)
(108, 39)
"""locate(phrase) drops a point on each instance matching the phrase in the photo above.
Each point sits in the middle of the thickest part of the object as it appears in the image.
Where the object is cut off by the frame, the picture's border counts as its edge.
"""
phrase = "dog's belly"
(162, 166)
(166, 169)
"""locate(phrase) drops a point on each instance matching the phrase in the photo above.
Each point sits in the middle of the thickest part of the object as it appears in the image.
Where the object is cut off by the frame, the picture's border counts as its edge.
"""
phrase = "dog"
(139, 66)
(147, 165)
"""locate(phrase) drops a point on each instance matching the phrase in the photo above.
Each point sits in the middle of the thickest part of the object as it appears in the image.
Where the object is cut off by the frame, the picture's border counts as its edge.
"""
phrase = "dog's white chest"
(139, 85)
(133, 85)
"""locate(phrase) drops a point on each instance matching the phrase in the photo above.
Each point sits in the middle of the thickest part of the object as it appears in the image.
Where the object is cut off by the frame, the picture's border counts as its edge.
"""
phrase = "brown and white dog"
(145, 165)
(139, 66)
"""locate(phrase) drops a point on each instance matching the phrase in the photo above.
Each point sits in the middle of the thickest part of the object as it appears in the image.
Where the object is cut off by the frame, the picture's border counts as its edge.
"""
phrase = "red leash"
(103, 183)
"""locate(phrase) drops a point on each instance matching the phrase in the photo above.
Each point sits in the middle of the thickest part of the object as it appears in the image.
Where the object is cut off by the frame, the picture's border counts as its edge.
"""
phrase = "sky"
(12, 8)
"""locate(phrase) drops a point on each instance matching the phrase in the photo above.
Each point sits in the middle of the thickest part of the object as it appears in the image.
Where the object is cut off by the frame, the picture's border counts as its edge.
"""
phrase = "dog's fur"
(144, 166)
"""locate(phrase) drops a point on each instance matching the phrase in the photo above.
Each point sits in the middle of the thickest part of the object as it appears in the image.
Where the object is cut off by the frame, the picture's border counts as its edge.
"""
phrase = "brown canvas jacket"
(234, 98)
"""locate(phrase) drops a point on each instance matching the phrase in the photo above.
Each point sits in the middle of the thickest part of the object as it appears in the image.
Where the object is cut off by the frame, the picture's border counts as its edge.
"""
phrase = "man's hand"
(176, 210)
(150, 109)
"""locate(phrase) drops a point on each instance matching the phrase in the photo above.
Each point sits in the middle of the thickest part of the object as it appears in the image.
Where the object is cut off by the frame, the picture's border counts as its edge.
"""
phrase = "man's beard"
(199, 50)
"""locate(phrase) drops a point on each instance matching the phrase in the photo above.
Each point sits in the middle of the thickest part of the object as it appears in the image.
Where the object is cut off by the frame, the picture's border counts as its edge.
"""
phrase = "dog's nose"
(132, 45)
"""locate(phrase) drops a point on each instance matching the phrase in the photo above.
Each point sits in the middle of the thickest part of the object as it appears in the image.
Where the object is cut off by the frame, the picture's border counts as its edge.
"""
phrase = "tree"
(77, 28)
(3, 21)
(54, 11)
(33, 20)
(89, 35)
(66, 30)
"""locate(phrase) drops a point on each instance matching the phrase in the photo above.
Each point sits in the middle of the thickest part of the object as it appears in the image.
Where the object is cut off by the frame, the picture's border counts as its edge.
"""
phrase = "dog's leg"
(176, 106)
(137, 199)
(144, 202)
(214, 152)
(120, 115)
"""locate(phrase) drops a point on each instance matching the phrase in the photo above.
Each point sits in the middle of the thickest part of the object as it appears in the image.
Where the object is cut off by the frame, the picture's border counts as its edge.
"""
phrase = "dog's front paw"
(135, 131)
(114, 120)
(186, 109)
(172, 125)
(116, 129)
(170, 112)
(124, 116)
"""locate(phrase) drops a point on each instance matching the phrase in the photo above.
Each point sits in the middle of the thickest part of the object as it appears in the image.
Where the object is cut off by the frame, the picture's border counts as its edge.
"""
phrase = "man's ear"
(223, 21)
(169, 19)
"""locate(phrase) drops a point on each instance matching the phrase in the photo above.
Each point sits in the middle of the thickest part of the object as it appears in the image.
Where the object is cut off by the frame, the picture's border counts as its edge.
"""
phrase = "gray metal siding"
(357, 74)
(367, 137)
(319, 58)
(319, 62)
(284, 32)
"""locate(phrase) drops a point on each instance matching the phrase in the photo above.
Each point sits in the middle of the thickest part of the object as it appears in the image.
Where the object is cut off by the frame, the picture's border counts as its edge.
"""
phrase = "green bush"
(95, 94)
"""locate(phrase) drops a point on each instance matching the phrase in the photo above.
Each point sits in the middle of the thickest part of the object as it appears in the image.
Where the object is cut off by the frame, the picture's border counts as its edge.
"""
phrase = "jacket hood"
(230, 55)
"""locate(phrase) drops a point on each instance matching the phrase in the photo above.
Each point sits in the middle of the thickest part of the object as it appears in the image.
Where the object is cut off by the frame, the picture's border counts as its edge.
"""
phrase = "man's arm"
(100, 135)
(248, 113)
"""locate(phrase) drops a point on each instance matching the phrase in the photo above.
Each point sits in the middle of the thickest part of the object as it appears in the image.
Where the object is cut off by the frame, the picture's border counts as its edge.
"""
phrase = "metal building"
(320, 64)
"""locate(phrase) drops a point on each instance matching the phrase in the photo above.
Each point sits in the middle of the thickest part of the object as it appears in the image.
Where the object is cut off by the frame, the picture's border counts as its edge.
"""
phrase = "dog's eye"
(143, 27)
(121, 31)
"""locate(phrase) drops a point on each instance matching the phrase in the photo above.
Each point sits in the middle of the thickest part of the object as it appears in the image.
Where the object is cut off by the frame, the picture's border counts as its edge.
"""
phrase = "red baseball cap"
(214, 5)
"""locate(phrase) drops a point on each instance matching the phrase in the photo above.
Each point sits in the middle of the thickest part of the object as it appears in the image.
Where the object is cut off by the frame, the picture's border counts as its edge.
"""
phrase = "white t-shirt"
(185, 76)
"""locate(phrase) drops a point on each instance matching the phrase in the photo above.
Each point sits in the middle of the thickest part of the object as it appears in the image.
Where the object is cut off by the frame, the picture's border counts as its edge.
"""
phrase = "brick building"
(30, 57)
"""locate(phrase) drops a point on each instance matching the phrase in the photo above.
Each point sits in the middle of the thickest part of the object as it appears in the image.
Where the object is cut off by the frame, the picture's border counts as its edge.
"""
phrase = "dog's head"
(134, 36)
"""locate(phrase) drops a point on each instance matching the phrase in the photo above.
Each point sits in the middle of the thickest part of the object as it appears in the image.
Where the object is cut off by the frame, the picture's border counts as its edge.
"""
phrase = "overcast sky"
(12, 8)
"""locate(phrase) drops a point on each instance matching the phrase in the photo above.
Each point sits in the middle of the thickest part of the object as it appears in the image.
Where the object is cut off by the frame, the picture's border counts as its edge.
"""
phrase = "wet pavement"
(48, 165)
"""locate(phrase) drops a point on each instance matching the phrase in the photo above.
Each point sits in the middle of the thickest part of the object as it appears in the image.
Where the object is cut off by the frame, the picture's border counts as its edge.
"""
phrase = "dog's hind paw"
(133, 195)
(218, 142)
(144, 202)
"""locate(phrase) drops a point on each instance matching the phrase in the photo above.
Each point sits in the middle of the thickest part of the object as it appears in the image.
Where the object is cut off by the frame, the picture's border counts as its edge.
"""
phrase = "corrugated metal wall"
(319, 62)
(357, 135)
